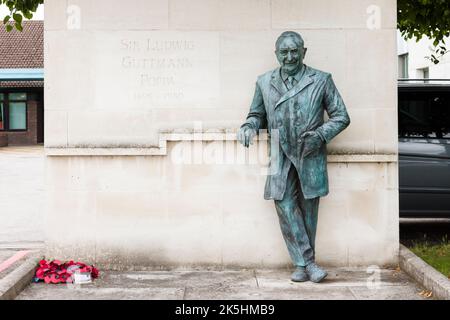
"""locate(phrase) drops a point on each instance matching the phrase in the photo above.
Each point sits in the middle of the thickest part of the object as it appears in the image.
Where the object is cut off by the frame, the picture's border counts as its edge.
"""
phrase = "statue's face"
(290, 56)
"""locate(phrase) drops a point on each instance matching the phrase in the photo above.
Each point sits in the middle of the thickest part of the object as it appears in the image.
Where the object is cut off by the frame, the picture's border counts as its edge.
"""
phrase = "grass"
(436, 255)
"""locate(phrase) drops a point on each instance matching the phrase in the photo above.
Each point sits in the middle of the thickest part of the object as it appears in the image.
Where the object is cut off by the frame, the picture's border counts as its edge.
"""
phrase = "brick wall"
(3, 139)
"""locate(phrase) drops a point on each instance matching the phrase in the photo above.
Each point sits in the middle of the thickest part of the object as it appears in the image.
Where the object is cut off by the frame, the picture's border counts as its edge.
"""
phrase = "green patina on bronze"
(290, 102)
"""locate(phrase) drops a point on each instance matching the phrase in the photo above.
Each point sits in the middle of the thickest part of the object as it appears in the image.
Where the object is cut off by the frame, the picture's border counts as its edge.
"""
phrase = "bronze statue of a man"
(290, 101)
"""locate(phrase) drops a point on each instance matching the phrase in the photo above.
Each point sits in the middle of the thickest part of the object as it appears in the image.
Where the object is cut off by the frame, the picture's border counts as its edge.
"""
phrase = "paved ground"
(21, 197)
(346, 284)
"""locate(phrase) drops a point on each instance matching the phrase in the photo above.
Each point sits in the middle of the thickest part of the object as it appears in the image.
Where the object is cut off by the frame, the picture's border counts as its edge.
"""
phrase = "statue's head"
(290, 50)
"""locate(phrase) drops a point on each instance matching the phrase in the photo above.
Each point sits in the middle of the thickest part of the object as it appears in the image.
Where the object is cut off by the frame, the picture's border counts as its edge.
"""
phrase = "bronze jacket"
(287, 114)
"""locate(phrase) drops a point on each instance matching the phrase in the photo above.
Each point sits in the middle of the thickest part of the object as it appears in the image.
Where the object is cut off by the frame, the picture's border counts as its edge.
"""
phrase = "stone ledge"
(78, 152)
(424, 274)
(13, 283)
(174, 136)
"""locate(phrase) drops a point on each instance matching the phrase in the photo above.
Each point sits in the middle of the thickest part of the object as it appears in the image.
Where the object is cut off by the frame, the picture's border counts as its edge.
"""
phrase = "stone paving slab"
(19, 276)
(17, 261)
(349, 284)
(5, 255)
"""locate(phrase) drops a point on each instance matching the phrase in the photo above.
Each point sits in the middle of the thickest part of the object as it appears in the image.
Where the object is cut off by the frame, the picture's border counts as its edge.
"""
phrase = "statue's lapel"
(305, 81)
(278, 83)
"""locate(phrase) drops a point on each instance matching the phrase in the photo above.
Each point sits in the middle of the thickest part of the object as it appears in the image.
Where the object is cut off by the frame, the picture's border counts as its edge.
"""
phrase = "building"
(21, 102)
(143, 99)
(415, 63)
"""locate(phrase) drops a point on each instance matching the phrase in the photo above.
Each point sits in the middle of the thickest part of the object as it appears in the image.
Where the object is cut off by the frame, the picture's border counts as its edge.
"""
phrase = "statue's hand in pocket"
(311, 142)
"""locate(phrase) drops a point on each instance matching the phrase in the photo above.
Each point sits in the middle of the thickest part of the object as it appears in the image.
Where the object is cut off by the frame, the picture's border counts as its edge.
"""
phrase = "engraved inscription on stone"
(159, 69)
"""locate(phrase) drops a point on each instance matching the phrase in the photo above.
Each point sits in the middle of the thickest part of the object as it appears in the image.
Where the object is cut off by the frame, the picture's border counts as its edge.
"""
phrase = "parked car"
(424, 149)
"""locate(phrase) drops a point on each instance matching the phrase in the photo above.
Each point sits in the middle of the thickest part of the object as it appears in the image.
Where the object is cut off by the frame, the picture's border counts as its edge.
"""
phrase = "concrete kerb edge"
(424, 274)
(13, 283)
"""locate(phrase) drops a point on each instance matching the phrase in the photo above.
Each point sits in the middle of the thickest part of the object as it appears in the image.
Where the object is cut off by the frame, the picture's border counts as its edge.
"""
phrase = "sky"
(39, 15)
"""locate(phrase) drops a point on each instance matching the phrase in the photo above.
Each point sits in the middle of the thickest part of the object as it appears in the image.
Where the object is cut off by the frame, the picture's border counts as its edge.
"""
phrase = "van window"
(424, 115)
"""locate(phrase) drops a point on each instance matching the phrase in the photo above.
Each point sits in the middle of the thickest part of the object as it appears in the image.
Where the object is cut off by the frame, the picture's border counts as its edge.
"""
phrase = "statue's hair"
(290, 34)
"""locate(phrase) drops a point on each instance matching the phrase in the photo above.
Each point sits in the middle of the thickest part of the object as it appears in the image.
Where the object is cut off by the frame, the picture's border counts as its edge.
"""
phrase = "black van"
(424, 148)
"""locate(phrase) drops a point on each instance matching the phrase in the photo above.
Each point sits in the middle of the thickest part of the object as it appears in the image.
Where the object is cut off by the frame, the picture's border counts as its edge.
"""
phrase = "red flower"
(57, 272)
(94, 272)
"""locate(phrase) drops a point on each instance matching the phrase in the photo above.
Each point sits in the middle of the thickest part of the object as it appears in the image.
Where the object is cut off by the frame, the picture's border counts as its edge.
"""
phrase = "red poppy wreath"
(57, 272)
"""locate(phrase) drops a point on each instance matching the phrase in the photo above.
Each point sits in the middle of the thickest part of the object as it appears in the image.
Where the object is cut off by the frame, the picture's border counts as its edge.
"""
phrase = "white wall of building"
(419, 54)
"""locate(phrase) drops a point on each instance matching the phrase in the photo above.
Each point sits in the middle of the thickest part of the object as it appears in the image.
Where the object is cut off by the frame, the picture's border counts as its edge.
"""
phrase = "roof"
(22, 50)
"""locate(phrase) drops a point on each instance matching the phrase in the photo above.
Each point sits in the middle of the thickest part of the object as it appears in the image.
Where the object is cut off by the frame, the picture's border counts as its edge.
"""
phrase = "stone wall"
(120, 73)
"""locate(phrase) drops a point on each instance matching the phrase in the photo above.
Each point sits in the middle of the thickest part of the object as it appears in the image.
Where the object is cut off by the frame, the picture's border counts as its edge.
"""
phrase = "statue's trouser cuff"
(298, 221)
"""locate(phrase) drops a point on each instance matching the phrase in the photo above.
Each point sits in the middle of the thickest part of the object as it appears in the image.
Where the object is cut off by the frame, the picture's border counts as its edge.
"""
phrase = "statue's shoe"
(299, 275)
(315, 273)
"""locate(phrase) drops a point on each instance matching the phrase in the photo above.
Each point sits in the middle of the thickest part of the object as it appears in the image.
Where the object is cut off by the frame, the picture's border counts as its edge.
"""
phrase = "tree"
(430, 18)
(19, 9)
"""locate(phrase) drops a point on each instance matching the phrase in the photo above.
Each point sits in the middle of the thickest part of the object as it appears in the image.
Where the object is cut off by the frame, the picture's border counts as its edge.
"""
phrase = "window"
(2, 113)
(17, 111)
(423, 73)
(424, 115)
(13, 111)
(403, 66)
(17, 116)
(426, 73)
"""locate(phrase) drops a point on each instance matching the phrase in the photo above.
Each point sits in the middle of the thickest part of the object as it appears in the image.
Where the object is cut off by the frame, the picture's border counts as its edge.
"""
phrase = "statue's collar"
(297, 76)
(277, 82)
(303, 79)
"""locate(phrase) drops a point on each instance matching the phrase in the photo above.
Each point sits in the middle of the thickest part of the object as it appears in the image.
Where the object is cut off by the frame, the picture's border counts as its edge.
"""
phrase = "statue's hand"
(245, 135)
(312, 142)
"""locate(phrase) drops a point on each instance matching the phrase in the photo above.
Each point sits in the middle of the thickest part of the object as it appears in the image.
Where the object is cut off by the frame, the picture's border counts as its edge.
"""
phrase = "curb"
(13, 283)
(424, 274)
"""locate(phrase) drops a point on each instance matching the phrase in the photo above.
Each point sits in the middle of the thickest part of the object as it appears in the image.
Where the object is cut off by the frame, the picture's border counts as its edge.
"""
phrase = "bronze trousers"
(298, 221)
